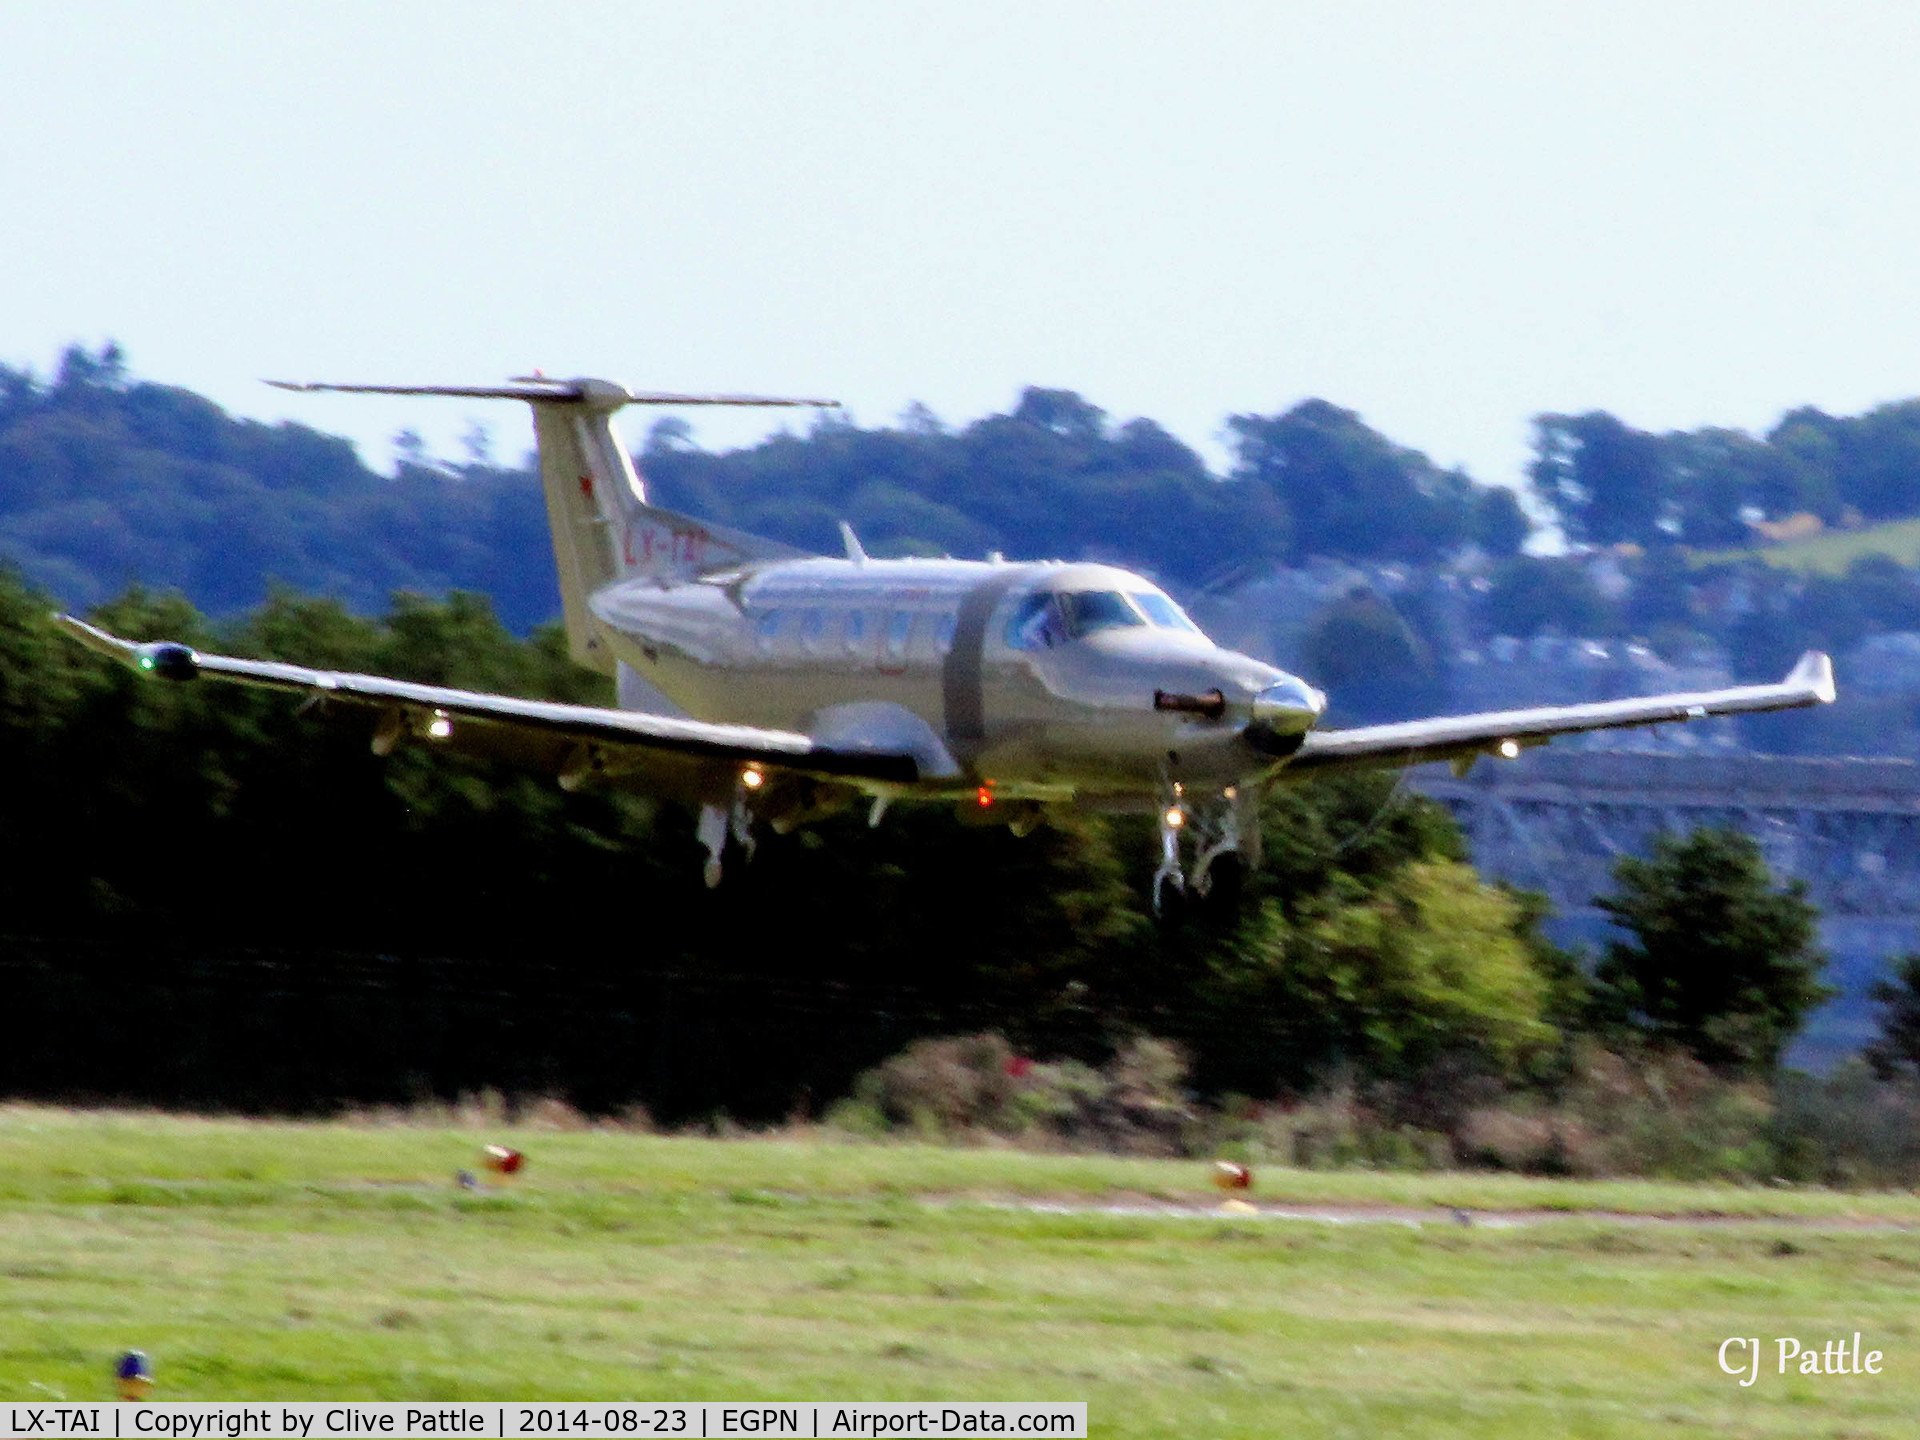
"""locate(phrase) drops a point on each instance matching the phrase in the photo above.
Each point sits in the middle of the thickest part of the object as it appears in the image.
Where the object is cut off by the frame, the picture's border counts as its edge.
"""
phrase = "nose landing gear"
(1169, 877)
(1227, 824)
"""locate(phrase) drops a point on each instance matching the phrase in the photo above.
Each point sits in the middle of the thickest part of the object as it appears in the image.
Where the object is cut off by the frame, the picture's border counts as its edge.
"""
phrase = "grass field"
(277, 1261)
(1829, 553)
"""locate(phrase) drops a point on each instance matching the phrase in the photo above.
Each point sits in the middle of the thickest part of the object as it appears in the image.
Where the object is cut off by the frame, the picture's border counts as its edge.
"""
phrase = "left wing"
(1464, 738)
(575, 742)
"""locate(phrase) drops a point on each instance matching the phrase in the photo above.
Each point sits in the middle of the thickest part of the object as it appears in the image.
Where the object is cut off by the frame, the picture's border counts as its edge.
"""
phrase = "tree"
(1426, 965)
(1370, 660)
(1721, 964)
(1896, 1049)
(1608, 482)
(1717, 473)
(1530, 594)
(1350, 490)
(1500, 525)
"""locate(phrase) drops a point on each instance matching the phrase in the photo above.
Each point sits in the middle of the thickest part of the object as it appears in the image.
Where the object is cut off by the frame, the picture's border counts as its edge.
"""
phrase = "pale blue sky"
(1446, 217)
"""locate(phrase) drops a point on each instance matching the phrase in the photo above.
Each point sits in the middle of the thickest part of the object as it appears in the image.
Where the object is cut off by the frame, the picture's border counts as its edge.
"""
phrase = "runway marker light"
(503, 1159)
(983, 797)
(133, 1376)
(1231, 1176)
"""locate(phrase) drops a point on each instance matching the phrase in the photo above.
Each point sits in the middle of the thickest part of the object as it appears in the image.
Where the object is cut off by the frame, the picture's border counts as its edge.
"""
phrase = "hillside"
(1827, 554)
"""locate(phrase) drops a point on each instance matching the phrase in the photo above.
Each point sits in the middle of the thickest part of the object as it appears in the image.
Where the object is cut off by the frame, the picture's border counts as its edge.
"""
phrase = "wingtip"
(1814, 673)
(91, 636)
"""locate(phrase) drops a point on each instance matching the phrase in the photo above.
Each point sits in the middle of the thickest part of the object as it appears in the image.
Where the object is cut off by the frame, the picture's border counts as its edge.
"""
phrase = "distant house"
(1802, 525)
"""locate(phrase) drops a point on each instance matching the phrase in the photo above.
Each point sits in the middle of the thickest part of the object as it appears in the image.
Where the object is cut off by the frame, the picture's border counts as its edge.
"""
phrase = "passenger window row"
(814, 630)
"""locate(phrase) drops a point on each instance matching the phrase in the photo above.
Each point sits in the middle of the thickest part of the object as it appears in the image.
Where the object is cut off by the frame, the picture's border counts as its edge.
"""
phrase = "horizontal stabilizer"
(601, 393)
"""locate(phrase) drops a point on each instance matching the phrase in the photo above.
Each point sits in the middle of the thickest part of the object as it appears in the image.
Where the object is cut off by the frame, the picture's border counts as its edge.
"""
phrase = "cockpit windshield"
(1163, 612)
(1085, 611)
(1044, 620)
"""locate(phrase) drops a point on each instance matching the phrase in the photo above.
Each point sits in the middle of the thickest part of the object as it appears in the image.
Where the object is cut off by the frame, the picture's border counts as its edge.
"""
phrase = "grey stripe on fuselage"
(962, 673)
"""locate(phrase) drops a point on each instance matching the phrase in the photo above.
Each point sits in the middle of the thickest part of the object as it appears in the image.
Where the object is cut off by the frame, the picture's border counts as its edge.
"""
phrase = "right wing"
(1463, 738)
(577, 743)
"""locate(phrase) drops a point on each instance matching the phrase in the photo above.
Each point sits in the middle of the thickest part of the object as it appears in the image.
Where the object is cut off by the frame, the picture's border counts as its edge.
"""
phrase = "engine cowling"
(168, 659)
(1283, 713)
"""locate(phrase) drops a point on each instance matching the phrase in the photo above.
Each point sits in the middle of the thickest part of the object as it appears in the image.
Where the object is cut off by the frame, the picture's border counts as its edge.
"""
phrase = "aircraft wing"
(574, 742)
(1464, 738)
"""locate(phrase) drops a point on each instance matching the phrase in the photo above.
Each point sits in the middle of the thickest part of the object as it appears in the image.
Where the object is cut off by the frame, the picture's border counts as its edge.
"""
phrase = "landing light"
(1509, 749)
(440, 727)
(1175, 817)
(753, 778)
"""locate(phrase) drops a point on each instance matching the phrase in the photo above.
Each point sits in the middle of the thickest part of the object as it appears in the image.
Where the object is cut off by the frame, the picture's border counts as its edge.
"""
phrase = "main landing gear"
(716, 824)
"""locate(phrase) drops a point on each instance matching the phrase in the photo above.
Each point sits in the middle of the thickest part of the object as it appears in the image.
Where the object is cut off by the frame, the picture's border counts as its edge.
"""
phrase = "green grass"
(1829, 553)
(275, 1261)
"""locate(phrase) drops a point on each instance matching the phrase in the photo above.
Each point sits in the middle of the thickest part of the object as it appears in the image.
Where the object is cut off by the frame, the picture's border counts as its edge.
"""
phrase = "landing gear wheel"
(1169, 897)
(1225, 880)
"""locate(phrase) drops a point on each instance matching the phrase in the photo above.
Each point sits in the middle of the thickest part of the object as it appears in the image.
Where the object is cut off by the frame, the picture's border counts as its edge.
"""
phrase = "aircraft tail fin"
(604, 529)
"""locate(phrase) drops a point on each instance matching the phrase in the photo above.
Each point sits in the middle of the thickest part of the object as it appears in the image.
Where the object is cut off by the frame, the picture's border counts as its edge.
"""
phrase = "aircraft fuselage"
(1047, 681)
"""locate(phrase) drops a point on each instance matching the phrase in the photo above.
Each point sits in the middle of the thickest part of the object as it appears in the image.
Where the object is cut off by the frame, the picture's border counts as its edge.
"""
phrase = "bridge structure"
(1557, 820)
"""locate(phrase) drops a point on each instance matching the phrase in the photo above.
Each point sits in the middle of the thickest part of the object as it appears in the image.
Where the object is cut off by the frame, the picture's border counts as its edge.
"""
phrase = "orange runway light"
(1229, 1176)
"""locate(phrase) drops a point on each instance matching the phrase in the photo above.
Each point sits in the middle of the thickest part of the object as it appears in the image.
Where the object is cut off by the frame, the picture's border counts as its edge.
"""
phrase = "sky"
(1449, 218)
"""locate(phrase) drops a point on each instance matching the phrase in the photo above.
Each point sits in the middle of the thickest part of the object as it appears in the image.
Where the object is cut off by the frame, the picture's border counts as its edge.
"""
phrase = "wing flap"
(1457, 737)
(440, 711)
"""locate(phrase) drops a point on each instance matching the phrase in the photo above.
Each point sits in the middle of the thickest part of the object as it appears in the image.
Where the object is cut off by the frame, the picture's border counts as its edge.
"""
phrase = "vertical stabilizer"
(604, 531)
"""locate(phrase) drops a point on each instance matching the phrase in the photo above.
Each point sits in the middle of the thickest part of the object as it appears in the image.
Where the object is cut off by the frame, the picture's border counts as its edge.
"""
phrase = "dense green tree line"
(107, 481)
(1055, 478)
(1610, 483)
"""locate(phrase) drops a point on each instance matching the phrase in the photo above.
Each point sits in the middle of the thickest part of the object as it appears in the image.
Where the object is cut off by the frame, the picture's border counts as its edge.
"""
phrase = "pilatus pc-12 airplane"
(764, 684)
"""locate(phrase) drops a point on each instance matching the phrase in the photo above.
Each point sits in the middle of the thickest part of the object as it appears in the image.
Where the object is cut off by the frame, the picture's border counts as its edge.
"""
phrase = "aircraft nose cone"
(1283, 713)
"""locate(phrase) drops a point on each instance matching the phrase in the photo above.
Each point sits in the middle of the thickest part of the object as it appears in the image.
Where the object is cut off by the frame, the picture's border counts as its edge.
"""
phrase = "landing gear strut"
(1222, 825)
(718, 822)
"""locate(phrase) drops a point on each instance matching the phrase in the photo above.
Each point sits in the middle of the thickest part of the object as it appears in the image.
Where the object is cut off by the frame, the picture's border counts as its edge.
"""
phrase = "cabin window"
(856, 629)
(899, 630)
(813, 628)
(943, 637)
(767, 627)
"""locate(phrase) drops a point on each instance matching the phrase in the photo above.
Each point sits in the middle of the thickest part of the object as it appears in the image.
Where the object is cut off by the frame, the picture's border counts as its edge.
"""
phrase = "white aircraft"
(762, 683)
